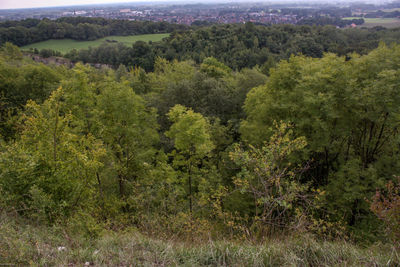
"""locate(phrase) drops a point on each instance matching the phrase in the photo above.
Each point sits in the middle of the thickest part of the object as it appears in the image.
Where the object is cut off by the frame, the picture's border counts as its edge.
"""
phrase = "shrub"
(386, 205)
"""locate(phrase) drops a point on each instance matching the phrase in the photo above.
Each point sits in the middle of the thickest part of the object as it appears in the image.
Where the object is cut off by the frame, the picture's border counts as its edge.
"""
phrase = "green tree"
(267, 175)
(348, 111)
(214, 68)
(21, 80)
(49, 169)
(129, 130)
(190, 132)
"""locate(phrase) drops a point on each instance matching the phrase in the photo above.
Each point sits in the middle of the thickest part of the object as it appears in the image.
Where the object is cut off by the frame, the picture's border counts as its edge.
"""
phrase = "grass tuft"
(24, 244)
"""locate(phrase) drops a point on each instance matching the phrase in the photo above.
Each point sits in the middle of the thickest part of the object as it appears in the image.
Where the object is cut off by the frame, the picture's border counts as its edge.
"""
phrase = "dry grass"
(22, 244)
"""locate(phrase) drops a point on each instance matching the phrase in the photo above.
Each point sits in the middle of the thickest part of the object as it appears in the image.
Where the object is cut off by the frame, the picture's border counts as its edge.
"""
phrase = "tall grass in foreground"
(23, 244)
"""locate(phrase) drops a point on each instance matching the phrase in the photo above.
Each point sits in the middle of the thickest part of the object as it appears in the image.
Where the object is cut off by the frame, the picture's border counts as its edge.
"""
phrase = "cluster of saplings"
(196, 150)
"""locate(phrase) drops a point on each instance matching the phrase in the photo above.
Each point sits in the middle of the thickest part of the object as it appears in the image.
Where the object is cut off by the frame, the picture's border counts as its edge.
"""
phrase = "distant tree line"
(236, 45)
(323, 20)
(240, 45)
(29, 31)
(383, 14)
(307, 12)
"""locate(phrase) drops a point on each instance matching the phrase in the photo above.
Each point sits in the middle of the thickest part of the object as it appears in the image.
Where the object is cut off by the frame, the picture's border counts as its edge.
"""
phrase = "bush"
(386, 205)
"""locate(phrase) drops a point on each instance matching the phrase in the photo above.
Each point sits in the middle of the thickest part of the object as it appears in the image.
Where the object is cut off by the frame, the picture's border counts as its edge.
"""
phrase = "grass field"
(391, 9)
(372, 22)
(65, 45)
(350, 18)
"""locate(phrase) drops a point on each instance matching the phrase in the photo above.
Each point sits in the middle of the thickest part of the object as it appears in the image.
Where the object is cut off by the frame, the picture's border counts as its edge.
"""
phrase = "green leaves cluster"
(49, 169)
(173, 151)
(269, 177)
(348, 111)
(189, 131)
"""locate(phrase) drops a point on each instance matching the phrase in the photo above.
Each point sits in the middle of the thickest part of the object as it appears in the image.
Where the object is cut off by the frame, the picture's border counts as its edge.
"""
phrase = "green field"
(372, 22)
(350, 18)
(391, 9)
(65, 45)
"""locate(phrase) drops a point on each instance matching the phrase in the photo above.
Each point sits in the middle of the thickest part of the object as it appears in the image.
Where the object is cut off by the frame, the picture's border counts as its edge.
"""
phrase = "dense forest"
(236, 45)
(240, 46)
(77, 28)
(202, 146)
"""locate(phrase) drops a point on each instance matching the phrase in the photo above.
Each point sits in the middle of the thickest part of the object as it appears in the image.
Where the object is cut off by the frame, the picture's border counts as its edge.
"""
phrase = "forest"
(240, 45)
(29, 31)
(236, 45)
(301, 145)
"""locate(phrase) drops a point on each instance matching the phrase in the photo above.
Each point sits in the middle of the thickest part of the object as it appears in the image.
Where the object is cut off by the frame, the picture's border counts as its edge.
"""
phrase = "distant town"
(181, 14)
(190, 14)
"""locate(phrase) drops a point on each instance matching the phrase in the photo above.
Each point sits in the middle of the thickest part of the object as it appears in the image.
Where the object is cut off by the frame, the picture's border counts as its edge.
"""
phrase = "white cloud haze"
(8, 4)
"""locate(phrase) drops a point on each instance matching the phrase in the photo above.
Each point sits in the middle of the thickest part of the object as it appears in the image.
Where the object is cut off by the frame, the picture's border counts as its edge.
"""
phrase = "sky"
(8, 4)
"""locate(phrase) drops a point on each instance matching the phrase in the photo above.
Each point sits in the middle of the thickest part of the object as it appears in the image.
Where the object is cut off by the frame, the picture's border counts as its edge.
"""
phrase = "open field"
(350, 18)
(391, 9)
(388, 23)
(373, 22)
(65, 45)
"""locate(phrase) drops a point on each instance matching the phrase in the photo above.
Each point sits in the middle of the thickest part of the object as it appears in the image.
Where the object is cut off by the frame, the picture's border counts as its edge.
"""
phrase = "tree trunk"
(121, 185)
(55, 135)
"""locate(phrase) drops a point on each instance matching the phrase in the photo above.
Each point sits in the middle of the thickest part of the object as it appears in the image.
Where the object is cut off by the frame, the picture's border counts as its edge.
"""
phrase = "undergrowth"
(37, 245)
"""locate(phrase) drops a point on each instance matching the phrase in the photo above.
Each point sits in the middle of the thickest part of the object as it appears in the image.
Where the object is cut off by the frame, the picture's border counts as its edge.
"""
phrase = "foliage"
(25, 244)
(77, 28)
(66, 45)
(21, 81)
(185, 84)
(348, 111)
(267, 175)
(50, 164)
(244, 46)
(98, 149)
(213, 68)
(386, 205)
(190, 132)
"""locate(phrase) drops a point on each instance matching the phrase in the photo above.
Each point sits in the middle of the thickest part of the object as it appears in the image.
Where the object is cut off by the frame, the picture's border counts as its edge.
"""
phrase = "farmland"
(65, 45)
(373, 22)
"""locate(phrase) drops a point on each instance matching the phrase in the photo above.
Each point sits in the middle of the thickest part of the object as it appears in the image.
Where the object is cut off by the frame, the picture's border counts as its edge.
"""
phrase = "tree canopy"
(203, 149)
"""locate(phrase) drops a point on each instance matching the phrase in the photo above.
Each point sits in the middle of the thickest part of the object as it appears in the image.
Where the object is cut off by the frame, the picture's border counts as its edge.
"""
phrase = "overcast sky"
(6, 4)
